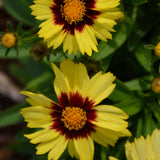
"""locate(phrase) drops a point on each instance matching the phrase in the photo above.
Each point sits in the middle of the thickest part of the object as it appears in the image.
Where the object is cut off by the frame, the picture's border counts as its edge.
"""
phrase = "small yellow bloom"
(144, 149)
(157, 50)
(8, 40)
(77, 120)
(156, 85)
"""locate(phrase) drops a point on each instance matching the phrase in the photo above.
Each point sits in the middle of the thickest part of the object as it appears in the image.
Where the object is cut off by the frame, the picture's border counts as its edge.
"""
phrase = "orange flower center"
(73, 11)
(74, 118)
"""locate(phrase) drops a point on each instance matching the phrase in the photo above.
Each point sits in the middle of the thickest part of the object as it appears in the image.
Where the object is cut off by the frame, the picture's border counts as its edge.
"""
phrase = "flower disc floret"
(73, 11)
(74, 118)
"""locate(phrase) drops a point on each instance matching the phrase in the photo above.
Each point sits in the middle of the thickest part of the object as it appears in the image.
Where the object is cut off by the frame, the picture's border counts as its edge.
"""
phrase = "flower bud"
(39, 51)
(8, 40)
(157, 50)
(121, 17)
(156, 85)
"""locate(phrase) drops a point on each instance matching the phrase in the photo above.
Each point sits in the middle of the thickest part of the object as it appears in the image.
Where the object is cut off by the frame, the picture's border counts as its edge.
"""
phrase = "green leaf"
(11, 116)
(144, 56)
(1, 33)
(19, 28)
(42, 82)
(131, 106)
(13, 52)
(10, 27)
(147, 123)
(7, 51)
(139, 126)
(105, 63)
(143, 24)
(149, 46)
(155, 108)
(138, 2)
(121, 92)
(140, 84)
(20, 10)
(28, 69)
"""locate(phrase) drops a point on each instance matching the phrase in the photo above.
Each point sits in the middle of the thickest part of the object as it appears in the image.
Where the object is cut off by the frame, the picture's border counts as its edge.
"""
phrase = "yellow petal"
(113, 13)
(107, 137)
(71, 149)
(41, 9)
(76, 75)
(105, 111)
(131, 152)
(58, 149)
(39, 124)
(104, 5)
(101, 31)
(43, 2)
(41, 12)
(70, 44)
(85, 42)
(99, 138)
(56, 40)
(47, 146)
(42, 136)
(101, 86)
(37, 99)
(140, 149)
(112, 118)
(49, 29)
(61, 83)
(91, 35)
(36, 112)
(155, 139)
(37, 116)
(84, 147)
(149, 148)
(105, 23)
(112, 158)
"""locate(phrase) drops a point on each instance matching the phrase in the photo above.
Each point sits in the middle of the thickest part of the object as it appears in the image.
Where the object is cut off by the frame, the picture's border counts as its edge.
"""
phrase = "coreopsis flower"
(77, 120)
(156, 85)
(76, 23)
(144, 149)
(157, 50)
(8, 40)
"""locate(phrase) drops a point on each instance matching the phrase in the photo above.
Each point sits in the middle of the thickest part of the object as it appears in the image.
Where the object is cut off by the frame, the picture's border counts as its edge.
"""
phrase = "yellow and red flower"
(77, 120)
(76, 23)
